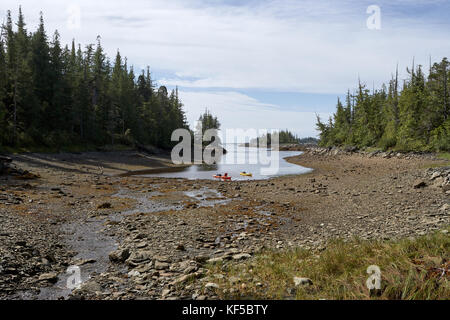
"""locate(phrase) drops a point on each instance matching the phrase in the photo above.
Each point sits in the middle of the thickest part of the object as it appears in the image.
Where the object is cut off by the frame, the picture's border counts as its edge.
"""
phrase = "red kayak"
(224, 177)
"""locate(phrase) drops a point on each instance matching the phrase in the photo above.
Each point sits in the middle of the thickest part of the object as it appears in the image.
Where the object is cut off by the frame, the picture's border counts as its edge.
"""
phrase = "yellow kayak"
(245, 174)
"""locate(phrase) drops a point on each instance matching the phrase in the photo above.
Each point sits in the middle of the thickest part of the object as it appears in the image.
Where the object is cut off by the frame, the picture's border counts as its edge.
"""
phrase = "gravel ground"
(150, 238)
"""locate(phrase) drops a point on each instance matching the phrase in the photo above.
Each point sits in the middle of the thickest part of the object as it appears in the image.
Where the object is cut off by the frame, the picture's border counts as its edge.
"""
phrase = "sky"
(266, 64)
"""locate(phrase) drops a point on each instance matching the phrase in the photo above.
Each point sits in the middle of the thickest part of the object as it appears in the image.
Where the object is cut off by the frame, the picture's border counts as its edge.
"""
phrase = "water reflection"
(208, 167)
(236, 160)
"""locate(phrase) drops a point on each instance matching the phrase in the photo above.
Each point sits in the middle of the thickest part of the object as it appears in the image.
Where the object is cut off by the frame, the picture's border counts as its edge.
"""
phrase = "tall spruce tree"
(413, 118)
(53, 95)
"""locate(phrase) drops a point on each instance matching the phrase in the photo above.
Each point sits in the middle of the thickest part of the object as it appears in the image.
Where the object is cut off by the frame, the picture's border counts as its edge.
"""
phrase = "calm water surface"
(237, 160)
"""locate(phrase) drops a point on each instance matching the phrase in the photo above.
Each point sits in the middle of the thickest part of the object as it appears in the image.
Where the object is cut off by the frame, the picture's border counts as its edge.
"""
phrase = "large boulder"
(4, 164)
(119, 255)
(302, 281)
(139, 257)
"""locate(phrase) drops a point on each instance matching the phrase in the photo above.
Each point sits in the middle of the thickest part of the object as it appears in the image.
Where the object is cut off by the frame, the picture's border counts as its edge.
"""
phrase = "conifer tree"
(413, 118)
(54, 95)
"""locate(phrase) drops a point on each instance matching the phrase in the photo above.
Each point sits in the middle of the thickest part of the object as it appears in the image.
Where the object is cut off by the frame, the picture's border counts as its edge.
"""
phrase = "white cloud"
(309, 46)
(238, 111)
(284, 45)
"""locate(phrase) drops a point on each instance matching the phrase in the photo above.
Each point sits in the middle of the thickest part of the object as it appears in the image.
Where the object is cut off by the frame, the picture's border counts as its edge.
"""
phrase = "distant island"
(285, 138)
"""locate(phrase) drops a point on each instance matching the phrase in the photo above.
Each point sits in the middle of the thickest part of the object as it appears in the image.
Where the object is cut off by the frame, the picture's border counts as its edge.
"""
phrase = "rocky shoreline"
(152, 238)
(334, 151)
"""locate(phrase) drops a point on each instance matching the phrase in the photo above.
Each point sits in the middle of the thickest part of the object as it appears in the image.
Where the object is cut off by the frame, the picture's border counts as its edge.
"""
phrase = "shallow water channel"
(93, 245)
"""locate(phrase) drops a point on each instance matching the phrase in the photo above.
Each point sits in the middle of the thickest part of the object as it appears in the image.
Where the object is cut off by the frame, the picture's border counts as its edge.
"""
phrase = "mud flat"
(98, 163)
(152, 238)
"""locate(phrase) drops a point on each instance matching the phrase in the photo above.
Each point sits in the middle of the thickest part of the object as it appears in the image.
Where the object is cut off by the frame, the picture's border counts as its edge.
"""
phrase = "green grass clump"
(444, 155)
(410, 269)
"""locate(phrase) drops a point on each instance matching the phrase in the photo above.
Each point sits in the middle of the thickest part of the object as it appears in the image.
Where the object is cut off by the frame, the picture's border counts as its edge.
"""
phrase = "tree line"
(207, 121)
(284, 137)
(56, 96)
(408, 116)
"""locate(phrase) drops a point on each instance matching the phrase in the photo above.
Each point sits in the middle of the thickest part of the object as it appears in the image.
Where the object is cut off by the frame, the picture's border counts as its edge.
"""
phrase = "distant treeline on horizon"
(284, 137)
